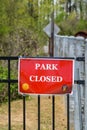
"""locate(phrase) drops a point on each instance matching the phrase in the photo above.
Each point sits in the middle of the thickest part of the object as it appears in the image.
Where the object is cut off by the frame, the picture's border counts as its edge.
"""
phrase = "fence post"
(9, 96)
(51, 53)
(24, 113)
(77, 99)
(85, 112)
(38, 112)
(68, 115)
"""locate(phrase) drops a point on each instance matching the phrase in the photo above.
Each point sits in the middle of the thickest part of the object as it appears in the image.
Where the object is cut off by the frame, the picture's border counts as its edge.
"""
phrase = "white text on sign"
(46, 66)
(36, 78)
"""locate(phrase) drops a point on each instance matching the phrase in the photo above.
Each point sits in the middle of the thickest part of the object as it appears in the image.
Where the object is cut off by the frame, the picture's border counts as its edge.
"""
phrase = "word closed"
(45, 76)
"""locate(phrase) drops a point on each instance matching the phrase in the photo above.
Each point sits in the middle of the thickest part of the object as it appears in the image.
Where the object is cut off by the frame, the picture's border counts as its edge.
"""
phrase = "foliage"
(71, 25)
(21, 33)
(81, 25)
(4, 86)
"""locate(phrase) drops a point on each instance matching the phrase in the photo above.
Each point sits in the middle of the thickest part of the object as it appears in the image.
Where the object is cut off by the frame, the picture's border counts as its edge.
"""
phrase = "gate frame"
(9, 81)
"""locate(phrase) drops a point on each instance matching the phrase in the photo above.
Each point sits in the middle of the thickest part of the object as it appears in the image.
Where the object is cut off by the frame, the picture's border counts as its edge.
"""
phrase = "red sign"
(45, 76)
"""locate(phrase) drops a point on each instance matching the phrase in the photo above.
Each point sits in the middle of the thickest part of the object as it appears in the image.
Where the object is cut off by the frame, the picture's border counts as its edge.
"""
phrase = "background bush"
(4, 86)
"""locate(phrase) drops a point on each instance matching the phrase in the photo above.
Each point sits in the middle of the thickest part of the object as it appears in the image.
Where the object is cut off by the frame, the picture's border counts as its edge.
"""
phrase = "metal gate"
(9, 81)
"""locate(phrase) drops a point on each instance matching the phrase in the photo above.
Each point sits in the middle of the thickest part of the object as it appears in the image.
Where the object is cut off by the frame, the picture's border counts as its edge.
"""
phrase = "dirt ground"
(31, 114)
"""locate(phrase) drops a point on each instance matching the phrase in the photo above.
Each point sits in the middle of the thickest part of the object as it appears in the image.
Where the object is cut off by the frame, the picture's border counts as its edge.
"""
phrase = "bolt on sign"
(45, 75)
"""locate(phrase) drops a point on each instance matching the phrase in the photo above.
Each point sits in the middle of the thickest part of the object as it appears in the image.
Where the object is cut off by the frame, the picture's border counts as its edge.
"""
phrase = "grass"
(31, 114)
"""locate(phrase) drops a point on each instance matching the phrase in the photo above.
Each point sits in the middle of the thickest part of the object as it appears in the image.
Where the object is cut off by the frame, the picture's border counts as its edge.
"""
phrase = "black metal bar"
(38, 112)
(9, 96)
(51, 53)
(8, 81)
(68, 114)
(24, 113)
(80, 58)
(53, 112)
(51, 56)
(79, 82)
(9, 57)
